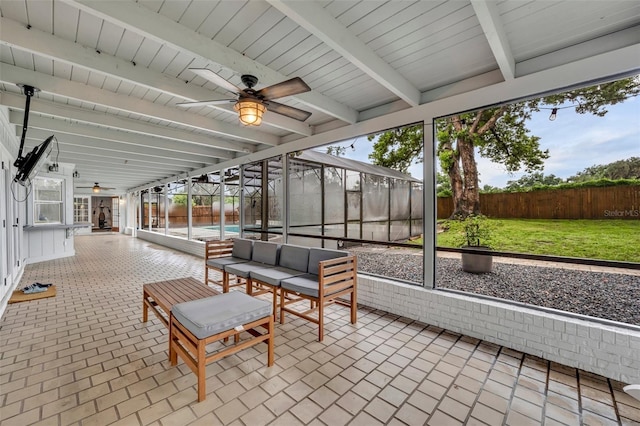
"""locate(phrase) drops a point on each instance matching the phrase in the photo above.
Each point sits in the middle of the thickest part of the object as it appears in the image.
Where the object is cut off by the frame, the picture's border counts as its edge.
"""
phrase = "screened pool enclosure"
(333, 202)
(350, 200)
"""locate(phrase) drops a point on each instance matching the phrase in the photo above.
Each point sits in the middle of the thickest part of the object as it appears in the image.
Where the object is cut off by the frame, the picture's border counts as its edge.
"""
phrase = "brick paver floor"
(85, 358)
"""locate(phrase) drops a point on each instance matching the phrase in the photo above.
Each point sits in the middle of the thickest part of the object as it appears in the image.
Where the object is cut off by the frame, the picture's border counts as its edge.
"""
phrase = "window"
(80, 209)
(47, 201)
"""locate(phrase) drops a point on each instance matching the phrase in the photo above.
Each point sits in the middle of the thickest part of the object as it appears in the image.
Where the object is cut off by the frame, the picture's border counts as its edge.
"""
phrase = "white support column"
(166, 209)
(285, 197)
(150, 190)
(241, 188)
(140, 204)
(132, 206)
(222, 204)
(189, 209)
(429, 199)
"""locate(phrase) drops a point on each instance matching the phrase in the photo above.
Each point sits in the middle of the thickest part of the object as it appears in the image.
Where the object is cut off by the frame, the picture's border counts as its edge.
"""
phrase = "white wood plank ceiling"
(112, 72)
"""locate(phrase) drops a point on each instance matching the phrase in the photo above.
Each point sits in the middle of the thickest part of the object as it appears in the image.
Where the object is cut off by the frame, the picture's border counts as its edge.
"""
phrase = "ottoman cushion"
(213, 315)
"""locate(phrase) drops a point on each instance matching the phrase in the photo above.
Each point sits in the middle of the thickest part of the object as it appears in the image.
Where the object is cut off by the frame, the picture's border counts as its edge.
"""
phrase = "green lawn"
(592, 239)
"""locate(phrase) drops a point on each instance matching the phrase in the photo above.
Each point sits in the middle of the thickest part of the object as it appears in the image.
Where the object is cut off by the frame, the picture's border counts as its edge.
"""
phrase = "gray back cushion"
(265, 252)
(294, 257)
(317, 255)
(242, 248)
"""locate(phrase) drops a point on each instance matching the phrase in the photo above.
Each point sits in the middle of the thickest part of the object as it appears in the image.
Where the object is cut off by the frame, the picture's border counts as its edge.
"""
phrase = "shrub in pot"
(476, 237)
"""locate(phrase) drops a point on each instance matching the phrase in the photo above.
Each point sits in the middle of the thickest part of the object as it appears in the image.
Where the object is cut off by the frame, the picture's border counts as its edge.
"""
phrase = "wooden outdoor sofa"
(290, 273)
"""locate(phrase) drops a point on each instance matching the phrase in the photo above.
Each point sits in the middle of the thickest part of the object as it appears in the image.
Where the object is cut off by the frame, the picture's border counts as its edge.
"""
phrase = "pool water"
(227, 228)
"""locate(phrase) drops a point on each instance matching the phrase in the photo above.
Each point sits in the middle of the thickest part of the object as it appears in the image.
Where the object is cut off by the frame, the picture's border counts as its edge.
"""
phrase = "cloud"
(577, 141)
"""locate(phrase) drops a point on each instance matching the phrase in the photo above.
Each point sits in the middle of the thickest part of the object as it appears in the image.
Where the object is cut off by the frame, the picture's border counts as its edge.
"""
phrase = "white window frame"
(36, 202)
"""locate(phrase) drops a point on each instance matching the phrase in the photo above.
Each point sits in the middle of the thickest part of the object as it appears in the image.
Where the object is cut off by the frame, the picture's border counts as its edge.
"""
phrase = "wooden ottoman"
(195, 324)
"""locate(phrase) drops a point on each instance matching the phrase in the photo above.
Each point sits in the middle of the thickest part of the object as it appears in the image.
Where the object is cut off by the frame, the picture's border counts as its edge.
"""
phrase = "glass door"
(80, 209)
(115, 219)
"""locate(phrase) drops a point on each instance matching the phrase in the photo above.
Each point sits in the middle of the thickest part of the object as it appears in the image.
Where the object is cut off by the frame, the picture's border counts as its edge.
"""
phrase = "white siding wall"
(601, 349)
(48, 244)
(11, 252)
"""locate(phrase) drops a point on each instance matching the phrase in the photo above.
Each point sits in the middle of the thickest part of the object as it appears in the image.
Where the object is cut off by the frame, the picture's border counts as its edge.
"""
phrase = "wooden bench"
(165, 294)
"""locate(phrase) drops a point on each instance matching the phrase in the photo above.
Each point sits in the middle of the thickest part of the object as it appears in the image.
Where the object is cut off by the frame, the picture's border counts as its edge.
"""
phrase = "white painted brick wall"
(607, 350)
(188, 246)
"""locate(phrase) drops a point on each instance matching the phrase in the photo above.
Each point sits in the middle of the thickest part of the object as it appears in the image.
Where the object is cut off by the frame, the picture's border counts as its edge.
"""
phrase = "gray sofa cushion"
(242, 248)
(215, 314)
(294, 257)
(273, 276)
(265, 252)
(317, 254)
(244, 269)
(303, 284)
(222, 262)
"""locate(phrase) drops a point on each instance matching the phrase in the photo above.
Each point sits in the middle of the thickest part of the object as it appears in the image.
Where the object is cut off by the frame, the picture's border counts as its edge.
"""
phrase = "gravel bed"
(603, 295)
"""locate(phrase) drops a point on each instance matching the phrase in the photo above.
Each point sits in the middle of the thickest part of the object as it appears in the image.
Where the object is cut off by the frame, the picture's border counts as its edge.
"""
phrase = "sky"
(575, 142)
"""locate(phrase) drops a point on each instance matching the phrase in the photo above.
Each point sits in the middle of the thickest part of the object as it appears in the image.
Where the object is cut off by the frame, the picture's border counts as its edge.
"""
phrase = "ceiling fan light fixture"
(250, 111)
(96, 188)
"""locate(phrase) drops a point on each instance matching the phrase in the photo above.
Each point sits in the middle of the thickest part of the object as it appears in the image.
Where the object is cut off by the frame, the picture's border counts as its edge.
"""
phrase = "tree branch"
(476, 122)
(492, 121)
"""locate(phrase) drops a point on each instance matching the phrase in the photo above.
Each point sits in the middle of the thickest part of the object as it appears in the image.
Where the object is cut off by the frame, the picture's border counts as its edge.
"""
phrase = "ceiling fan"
(96, 187)
(251, 104)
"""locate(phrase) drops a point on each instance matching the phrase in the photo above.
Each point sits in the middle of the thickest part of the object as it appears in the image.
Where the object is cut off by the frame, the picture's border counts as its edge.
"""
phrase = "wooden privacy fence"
(613, 202)
(201, 215)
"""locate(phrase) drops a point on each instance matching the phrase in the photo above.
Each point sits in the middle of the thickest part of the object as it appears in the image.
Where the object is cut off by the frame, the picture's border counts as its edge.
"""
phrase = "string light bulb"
(554, 114)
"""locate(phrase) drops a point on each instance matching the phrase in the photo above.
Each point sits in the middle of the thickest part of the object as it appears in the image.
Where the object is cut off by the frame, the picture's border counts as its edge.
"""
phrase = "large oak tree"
(497, 133)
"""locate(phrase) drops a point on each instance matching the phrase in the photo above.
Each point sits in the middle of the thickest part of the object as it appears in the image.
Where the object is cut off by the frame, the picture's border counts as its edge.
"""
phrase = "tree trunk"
(471, 204)
(464, 186)
(453, 171)
(457, 192)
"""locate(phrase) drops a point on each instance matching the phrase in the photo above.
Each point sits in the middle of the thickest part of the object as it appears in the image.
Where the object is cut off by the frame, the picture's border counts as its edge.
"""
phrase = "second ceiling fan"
(250, 103)
(96, 187)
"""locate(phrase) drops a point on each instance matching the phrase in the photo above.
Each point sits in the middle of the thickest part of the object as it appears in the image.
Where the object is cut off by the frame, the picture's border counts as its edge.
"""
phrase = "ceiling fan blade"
(216, 79)
(286, 88)
(203, 103)
(288, 111)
